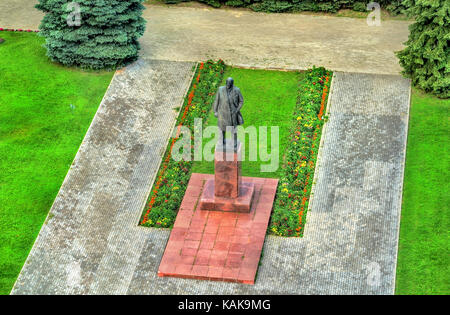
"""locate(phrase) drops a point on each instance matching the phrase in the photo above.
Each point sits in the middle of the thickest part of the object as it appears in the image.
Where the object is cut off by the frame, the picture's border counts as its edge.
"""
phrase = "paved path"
(20, 14)
(91, 243)
(239, 37)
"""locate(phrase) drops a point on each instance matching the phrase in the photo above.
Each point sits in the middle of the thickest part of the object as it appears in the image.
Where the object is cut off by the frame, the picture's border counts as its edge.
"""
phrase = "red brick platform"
(216, 245)
(242, 203)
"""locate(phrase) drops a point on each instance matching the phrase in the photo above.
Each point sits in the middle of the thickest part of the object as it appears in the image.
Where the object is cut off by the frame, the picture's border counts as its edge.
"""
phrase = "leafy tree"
(426, 59)
(95, 34)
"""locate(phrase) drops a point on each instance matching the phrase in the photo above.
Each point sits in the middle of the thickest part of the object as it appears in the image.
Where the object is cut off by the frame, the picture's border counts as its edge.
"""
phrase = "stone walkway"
(246, 38)
(20, 14)
(91, 243)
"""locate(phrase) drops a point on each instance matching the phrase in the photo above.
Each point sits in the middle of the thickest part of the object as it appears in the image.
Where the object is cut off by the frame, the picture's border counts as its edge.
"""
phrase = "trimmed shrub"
(106, 37)
(359, 6)
(393, 6)
(426, 59)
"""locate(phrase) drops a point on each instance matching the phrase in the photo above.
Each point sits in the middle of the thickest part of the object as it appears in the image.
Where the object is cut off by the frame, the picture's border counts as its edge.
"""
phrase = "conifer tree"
(426, 59)
(95, 34)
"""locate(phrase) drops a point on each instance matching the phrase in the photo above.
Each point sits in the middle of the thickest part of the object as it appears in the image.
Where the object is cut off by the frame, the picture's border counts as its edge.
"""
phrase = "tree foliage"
(106, 36)
(426, 59)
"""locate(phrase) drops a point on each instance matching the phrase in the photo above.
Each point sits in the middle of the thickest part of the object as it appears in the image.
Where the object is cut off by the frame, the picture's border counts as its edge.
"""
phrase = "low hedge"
(393, 6)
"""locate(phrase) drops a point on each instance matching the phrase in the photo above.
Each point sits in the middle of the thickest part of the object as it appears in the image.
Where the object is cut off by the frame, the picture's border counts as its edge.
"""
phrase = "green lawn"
(423, 258)
(269, 100)
(40, 133)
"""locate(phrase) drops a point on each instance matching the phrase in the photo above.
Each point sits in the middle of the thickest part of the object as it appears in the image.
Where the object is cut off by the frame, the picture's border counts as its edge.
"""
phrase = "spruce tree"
(104, 35)
(426, 59)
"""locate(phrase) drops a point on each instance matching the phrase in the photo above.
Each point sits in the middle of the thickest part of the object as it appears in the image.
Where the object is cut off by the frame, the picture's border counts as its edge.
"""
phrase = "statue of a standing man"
(227, 108)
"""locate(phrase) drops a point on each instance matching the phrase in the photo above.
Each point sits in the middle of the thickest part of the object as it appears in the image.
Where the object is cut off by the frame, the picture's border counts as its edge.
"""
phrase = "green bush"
(359, 6)
(106, 38)
(426, 59)
(393, 6)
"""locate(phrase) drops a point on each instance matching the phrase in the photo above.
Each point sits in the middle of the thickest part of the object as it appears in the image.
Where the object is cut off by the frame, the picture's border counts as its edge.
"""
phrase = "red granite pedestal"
(242, 203)
(227, 191)
(218, 245)
(227, 170)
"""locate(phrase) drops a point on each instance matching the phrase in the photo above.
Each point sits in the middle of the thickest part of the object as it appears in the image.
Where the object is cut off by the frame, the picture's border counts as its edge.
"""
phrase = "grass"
(45, 111)
(269, 100)
(423, 261)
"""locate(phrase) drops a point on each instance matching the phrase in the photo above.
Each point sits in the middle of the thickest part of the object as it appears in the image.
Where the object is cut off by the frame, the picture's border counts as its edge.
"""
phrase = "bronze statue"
(227, 108)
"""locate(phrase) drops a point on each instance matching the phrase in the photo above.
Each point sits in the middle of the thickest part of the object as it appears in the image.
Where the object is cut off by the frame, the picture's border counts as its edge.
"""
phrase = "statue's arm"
(216, 104)
(241, 101)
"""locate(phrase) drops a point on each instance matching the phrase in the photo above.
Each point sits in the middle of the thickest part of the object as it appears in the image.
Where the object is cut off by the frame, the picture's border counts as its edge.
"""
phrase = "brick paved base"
(215, 245)
(243, 203)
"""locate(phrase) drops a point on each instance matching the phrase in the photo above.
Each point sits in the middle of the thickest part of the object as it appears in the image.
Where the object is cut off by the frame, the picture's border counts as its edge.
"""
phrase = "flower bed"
(17, 30)
(291, 201)
(173, 176)
(294, 189)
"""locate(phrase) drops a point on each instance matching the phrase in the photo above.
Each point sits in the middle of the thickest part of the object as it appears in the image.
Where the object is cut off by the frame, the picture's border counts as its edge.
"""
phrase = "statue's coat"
(228, 115)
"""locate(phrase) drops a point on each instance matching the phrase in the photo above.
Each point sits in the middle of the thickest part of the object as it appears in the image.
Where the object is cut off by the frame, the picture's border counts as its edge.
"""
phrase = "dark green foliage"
(360, 6)
(235, 3)
(426, 59)
(106, 38)
(393, 6)
(175, 1)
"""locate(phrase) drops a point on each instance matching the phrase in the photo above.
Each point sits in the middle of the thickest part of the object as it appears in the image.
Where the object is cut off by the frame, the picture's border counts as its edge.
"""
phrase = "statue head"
(230, 83)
